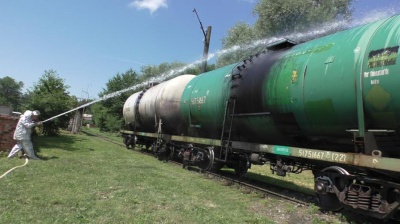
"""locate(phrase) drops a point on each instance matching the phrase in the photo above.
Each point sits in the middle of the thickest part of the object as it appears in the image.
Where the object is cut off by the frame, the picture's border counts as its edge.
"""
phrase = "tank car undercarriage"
(200, 156)
(348, 181)
(338, 189)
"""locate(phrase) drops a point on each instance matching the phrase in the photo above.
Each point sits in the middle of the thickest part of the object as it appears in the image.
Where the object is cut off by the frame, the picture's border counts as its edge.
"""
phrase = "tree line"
(274, 19)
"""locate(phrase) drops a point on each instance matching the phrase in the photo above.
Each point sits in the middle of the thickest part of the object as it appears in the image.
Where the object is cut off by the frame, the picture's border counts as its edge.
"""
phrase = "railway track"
(262, 188)
(249, 185)
(265, 189)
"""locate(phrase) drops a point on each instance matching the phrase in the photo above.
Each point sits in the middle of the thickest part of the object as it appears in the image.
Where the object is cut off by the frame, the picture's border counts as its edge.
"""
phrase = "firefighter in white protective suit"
(23, 134)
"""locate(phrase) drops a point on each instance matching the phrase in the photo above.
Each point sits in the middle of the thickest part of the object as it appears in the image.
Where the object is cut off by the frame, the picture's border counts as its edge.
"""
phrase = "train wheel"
(133, 142)
(169, 153)
(208, 159)
(125, 141)
(327, 200)
(242, 165)
(217, 166)
(154, 148)
(165, 152)
(130, 141)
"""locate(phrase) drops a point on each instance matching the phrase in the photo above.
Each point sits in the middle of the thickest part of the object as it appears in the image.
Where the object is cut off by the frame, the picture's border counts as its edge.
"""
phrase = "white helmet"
(28, 113)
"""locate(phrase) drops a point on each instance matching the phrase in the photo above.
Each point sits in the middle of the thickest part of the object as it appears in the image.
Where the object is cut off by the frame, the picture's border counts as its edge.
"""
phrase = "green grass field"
(83, 179)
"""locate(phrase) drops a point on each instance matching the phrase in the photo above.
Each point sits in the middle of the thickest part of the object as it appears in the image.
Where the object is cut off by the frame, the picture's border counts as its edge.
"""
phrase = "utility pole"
(207, 36)
(83, 109)
(77, 121)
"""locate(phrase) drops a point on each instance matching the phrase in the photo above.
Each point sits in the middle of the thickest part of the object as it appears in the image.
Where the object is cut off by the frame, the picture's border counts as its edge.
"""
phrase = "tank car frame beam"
(354, 159)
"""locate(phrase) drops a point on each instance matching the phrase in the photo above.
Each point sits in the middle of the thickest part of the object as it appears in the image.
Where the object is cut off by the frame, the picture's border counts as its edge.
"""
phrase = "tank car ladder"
(227, 130)
(227, 125)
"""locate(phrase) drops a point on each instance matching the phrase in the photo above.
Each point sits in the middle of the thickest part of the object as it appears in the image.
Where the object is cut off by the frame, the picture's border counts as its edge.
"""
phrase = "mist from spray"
(316, 32)
(160, 78)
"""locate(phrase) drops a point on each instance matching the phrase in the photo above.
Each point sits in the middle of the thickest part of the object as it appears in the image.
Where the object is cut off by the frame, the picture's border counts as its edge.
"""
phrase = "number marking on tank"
(322, 155)
(199, 100)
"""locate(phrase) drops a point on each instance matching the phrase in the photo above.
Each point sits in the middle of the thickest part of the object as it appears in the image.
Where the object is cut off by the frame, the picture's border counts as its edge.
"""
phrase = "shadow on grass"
(277, 183)
(63, 142)
(88, 133)
(360, 218)
(45, 158)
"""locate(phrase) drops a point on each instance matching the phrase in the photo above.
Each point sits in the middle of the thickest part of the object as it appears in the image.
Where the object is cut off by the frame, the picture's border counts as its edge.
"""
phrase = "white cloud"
(151, 5)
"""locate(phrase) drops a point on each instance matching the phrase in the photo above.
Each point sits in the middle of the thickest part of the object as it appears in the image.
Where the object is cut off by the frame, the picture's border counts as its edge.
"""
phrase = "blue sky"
(88, 42)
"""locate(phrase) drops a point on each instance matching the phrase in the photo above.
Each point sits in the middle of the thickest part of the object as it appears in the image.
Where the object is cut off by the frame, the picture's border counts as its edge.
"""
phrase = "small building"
(6, 110)
(87, 117)
(7, 127)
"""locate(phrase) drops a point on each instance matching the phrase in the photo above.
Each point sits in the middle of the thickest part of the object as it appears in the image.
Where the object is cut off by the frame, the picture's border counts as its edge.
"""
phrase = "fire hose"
(9, 171)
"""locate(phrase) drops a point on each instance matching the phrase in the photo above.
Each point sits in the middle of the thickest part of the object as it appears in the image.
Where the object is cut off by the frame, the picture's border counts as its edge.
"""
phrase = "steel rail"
(240, 182)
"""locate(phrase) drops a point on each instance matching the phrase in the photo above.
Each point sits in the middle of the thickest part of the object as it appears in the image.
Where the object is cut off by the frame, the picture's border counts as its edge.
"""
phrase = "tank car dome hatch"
(151, 84)
(281, 44)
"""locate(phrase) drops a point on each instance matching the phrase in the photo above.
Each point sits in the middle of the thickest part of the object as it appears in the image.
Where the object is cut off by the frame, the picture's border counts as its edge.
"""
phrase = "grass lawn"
(83, 179)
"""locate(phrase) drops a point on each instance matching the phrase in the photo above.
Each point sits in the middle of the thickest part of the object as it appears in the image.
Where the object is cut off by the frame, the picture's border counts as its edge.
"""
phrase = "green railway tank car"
(330, 105)
(320, 92)
(203, 102)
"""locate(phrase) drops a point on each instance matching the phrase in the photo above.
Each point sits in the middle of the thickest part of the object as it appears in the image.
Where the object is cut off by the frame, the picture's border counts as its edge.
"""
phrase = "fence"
(7, 127)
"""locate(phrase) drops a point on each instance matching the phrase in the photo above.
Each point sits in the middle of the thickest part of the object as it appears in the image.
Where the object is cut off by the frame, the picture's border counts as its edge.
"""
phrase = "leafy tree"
(165, 71)
(51, 98)
(238, 44)
(99, 113)
(161, 72)
(284, 17)
(24, 105)
(10, 92)
(279, 19)
(108, 115)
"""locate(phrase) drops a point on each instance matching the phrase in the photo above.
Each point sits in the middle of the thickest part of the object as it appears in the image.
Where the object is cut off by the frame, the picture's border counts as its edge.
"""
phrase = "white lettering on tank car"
(375, 82)
(198, 100)
(322, 155)
(381, 72)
